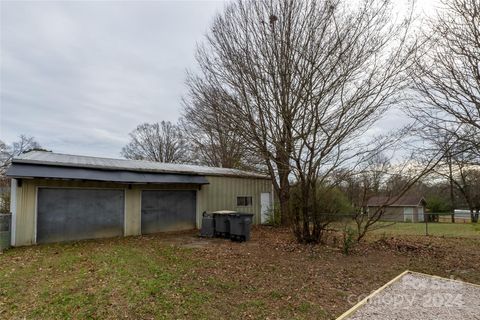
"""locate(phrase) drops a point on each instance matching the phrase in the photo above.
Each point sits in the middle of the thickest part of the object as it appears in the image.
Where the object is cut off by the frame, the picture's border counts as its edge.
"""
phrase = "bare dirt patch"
(319, 280)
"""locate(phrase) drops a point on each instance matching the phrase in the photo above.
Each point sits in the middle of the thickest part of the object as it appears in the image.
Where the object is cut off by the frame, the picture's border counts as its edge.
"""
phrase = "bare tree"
(446, 76)
(465, 178)
(4, 154)
(474, 180)
(446, 79)
(460, 167)
(212, 141)
(160, 142)
(469, 186)
(448, 160)
(301, 81)
(8, 152)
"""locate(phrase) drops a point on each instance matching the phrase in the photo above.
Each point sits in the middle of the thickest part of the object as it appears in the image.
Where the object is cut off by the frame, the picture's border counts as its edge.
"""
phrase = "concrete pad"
(413, 295)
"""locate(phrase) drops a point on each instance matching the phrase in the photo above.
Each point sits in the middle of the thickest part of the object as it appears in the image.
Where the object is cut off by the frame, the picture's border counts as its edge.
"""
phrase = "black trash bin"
(222, 223)
(240, 224)
(208, 225)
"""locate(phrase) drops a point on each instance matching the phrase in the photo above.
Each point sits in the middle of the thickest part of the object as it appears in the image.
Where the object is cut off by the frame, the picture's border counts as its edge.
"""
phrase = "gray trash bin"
(208, 225)
(5, 227)
(240, 224)
(222, 223)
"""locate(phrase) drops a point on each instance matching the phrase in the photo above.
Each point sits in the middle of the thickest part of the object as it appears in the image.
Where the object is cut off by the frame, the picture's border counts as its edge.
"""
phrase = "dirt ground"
(321, 278)
(183, 276)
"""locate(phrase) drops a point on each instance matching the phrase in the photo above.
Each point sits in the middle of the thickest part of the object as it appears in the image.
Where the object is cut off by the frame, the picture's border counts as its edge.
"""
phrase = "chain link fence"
(407, 223)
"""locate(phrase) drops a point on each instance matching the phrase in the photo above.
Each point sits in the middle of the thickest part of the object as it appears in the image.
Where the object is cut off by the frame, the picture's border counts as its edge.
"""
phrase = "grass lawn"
(182, 277)
(435, 229)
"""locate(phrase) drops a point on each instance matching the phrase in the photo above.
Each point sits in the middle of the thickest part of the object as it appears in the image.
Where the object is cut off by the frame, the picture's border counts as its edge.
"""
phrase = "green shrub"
(437, 204)
(348, 239)
(330, 203)
(314, 208)
(274, 217)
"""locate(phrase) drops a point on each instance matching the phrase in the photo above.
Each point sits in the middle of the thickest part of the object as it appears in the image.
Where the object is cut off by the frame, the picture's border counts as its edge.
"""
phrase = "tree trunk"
(283, 167)
(452, 195)
(284, 200)
(306, 236)
(474, 216)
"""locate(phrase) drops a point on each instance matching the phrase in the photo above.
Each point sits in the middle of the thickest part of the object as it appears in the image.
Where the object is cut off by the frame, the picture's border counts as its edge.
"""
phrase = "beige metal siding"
(25, 215)
(133, 205)
(220, 194)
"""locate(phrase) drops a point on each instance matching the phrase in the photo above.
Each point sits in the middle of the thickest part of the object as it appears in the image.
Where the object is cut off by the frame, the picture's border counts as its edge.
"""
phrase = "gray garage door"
(168, 210)
(74, 214)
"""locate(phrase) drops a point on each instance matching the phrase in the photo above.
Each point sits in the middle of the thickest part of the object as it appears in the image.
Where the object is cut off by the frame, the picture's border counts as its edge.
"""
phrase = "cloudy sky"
(79, 76)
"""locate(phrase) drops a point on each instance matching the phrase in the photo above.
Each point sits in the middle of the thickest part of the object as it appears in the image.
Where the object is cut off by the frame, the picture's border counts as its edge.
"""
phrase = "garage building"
(59, 197)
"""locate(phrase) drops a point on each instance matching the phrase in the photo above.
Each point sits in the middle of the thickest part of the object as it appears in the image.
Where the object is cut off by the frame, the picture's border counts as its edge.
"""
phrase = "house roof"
(392, 201)
(44, 158)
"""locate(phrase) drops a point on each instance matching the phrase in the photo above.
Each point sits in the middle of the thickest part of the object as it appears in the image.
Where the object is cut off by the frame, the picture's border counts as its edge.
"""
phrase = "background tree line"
(7, 153)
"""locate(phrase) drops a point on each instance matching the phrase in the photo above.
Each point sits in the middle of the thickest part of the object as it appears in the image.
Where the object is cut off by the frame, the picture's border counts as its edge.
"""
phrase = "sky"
(80, 75)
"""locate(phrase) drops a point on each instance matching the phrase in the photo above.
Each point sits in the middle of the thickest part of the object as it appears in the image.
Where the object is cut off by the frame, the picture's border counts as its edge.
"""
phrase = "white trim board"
(13, 210)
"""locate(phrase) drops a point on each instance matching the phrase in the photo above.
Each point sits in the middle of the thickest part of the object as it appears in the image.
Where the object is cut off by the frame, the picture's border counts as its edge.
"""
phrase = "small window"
(244, 201)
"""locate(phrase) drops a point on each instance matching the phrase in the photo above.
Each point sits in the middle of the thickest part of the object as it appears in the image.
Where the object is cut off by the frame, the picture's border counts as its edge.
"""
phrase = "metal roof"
(76, 161)
(404, 201)
(25, 170)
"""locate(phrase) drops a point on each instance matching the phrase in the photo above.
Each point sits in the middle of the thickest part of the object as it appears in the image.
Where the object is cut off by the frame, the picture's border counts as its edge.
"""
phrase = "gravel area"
(419, 296)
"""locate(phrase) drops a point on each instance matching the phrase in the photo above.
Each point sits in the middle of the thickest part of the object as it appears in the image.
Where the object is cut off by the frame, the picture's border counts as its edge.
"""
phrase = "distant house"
(405, 209)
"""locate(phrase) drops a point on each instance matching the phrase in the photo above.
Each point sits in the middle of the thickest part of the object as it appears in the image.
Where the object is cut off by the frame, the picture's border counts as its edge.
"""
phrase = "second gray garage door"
(74, 214)
(165, 210)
